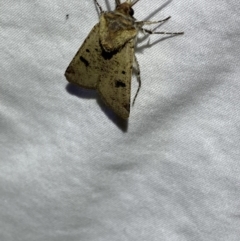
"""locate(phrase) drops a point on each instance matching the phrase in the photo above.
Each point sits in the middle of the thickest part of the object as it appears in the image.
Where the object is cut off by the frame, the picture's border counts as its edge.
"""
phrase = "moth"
(106, 58)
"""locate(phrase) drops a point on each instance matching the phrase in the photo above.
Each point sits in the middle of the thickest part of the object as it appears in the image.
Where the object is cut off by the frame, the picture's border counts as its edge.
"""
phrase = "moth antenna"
(100, 8)
(153, 32)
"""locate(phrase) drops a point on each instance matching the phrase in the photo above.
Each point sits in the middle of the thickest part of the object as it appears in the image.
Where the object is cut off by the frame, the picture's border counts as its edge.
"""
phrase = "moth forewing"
(114, 84)
(85, 67)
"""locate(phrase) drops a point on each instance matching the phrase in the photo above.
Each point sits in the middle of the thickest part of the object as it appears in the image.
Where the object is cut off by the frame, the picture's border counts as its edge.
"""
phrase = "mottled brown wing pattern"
(84, 68)
(114, 84)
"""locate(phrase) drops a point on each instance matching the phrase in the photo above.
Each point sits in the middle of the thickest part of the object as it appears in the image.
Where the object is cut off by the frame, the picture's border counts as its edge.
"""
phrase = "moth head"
(126, 7)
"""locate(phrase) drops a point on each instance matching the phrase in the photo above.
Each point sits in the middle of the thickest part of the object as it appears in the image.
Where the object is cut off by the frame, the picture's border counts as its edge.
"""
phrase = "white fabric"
(70, 170)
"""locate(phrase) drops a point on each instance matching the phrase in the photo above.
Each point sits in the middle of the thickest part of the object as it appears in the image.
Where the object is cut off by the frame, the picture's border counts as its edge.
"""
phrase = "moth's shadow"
(140, 49)
(81, 92)
(157, 10)
(93, 94)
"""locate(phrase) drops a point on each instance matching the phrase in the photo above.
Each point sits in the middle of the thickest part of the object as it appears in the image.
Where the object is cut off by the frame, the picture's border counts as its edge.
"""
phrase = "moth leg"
(100, 8)
(141, 23)
(153, 32)
(137, 68)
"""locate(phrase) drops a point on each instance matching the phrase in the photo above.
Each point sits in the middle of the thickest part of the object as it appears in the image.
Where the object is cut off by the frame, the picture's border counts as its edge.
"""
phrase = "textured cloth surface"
(71, 170)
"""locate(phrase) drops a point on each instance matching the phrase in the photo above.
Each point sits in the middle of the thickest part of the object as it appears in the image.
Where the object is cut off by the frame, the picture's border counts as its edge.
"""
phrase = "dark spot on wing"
(123, 72)
(84, 61)
(87, 50)
(108, 55)
(119, 83)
